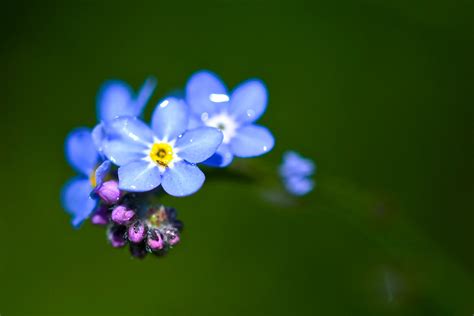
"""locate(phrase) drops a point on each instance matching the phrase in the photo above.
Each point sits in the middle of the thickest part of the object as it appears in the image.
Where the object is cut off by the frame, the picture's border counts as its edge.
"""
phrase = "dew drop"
(218, 98)
(164, 104)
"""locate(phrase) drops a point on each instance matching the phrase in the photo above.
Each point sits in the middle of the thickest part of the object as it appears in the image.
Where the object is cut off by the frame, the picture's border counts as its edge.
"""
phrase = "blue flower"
(83, 148)
(85, 159)
(234, 115)
(295, 172)
(116, 98)
(164, 154)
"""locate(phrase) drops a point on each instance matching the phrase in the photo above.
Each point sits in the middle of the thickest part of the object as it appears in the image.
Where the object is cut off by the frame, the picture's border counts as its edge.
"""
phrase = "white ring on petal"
(226, 123)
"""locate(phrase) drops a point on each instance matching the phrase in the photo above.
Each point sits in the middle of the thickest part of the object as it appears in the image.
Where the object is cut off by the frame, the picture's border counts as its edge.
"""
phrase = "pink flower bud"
(122, 215)
(155, 241)
(171, 236)
(109, 192)
(100, 217)
(136, 232)
(116, 236)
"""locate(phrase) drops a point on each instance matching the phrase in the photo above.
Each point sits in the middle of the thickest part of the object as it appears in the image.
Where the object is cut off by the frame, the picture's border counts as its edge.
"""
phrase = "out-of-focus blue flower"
(115, 99)
(295, 172)
(234, 114)
(85, 159)
(164, 154)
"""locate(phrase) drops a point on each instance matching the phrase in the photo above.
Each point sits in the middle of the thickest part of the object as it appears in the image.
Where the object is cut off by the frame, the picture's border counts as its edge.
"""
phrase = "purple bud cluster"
(131, 221)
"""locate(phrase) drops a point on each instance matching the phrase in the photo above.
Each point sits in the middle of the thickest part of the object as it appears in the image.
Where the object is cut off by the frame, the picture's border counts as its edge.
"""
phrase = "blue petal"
(113, 100)
(296, 165)
(98, 136)
(201, 89)
(128, 138)
(101, 172)
(80, 151)
(194, 122)
(170, 119)
(144, 95)
(251, 141)
(248, 101)
(183, 179)
(139, 176)
(76, 199)
(199, 144)
(129, 129)
(222, 158)
(122, 152)
(299, 185)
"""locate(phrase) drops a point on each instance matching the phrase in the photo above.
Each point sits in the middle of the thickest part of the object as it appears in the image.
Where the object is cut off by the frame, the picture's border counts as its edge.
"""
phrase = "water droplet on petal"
(250, 113)
(217, 97)
(164, 103)
(204, 116)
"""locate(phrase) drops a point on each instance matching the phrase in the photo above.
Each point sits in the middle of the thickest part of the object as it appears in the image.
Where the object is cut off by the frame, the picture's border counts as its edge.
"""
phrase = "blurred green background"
(379, 93)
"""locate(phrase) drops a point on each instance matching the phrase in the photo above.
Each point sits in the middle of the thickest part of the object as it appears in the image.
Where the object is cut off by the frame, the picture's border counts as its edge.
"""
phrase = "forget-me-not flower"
(234, 114)
(296, 172)
(83, 156)
(164, 154)
(115, 99)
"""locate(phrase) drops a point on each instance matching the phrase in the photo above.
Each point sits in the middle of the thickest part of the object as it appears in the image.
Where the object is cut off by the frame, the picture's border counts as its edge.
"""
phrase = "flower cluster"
(295, 172)
(123, 162)
(133, 221)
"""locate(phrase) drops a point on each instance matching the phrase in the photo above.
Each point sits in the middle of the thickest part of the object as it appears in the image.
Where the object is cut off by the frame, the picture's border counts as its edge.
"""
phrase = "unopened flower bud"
(116, 236)
(122, 215)
(100, 217)
(136, 232)
(155, 241)
(138, 250)
(109, 192)
(171, 235)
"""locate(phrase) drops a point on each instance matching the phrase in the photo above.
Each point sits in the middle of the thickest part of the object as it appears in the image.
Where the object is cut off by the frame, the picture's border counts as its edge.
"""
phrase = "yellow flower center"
(161, 153)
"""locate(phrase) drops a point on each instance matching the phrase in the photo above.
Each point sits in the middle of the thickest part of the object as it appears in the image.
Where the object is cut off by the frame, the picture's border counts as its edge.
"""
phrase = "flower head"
(83, 150)
(85, 159)
(296, 172)
(165, 154)
(115, 99)
(234, 114)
